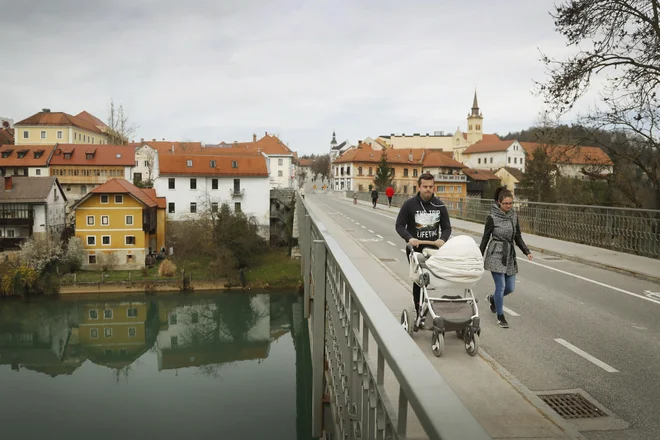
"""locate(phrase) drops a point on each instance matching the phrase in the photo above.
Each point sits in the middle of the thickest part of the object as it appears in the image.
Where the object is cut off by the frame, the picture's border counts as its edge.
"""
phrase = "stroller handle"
(410, 248)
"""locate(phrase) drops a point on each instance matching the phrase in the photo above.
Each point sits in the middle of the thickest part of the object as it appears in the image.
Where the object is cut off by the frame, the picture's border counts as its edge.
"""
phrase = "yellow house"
(119, 225)
(116, 333)
(510, 177)
(49, 128)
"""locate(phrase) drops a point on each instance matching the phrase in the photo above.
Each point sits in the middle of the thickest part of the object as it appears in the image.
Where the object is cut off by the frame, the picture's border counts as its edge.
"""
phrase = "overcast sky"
(220, 70)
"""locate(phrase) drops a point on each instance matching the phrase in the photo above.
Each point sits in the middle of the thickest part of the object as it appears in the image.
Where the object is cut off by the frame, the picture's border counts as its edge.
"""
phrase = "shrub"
(108, 261)
(19, 281)
(75, 254)
(39, 251)
(145, 272)
(167, 269)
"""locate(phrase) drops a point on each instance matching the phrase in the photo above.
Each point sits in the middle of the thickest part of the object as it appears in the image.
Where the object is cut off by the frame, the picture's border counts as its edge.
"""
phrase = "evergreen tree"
(384, 174)
(537, 184)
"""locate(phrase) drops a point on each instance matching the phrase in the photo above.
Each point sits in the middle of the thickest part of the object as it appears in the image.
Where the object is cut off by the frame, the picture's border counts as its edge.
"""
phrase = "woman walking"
(502, 230)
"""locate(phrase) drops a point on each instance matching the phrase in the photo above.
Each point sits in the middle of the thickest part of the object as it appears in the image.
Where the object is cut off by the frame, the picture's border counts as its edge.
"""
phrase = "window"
(170, 183)
(105, 198)
(451, 189)
(107, 314)
(93, 333)
(91, 240)
(491, 160)
(359, 171)
(105, 220)
(174, 341)
(470, 127)
(193, 183)
(89, 156)
(131, 312)
(38, 172)
(360, 188)
(193, 207)
(405, 172)
(26, 134)
(405, 189)
(280, 162)
(214, 183)
(478, 160)
(90, 220)
(212, 163)
(130, 240)
(189, 163)
(129, 220)
(414, 175)
(91, 259)
(92, 139)
(10, 233)
(371, 172)
(93, 314)
(237, 185)
(234, 164)
(170, 208)
(107, 332)
(237, 207)
(131, 332)
(172, 318)
(105, 240)
(515, 160)
(414, 189)
(509, 160)
(214, 206)
(279, 173)
(146, 164)
(441, 189)
(130, 259)
(43, 134)
(119, 198)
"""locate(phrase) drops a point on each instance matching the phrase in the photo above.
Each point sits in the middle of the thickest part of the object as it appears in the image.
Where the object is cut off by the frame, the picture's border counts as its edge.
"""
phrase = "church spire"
(475, 105)
(333, 142)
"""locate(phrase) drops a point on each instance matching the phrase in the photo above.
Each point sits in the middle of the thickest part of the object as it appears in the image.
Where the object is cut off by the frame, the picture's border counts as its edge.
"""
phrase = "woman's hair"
(502, 193)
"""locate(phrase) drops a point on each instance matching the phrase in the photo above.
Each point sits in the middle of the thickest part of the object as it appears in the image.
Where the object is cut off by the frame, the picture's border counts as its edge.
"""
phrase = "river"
(221, 365)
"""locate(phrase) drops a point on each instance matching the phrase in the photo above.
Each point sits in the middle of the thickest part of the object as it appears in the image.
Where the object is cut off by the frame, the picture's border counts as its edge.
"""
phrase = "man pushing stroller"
(423, 217)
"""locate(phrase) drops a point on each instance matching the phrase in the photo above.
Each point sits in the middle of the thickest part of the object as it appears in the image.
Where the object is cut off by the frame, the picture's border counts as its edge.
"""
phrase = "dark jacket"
(501, 231)
(374, 194)
(423, 220)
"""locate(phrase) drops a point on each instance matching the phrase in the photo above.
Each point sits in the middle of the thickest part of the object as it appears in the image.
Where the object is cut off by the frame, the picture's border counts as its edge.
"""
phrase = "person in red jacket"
(389, 192)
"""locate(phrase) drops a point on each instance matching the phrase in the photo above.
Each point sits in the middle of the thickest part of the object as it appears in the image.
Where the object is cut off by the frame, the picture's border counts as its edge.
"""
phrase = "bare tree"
(618, 40)
(120, 129)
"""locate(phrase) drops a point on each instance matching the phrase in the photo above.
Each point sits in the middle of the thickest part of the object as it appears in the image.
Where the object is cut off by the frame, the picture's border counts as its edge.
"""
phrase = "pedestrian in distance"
(389, 192)
(355, 197)
(501, 235)
(423, 217)
(374, 197)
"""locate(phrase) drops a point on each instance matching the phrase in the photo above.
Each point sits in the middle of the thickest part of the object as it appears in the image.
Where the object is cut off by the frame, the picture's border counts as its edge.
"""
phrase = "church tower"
(333, 142)
(475, 131)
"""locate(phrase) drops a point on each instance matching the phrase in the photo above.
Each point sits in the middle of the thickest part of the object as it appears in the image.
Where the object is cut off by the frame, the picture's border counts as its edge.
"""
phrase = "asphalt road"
(596, 332)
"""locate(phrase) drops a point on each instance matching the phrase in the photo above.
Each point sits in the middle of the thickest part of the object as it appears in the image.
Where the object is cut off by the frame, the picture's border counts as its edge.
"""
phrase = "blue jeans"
(504, 284)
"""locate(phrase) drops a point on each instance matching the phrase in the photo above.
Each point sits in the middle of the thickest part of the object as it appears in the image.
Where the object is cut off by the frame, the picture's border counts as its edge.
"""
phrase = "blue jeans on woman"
(504, 284)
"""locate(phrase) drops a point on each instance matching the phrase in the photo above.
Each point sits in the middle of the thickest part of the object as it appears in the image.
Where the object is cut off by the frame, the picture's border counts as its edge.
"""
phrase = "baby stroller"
(458, 265)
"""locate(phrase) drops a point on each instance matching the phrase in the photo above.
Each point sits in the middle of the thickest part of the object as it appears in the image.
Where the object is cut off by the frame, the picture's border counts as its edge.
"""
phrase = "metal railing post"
(306, 252)
(318, 337)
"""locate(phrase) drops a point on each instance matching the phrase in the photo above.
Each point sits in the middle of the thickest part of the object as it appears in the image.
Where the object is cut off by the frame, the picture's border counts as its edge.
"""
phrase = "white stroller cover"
(459, 260)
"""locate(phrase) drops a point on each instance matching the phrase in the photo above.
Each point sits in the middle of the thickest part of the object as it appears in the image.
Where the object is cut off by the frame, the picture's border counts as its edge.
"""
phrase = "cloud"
(221, 70)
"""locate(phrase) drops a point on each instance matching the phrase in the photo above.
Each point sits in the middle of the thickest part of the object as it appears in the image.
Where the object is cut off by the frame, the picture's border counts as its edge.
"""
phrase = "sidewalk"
(516, 413)
(628, 264)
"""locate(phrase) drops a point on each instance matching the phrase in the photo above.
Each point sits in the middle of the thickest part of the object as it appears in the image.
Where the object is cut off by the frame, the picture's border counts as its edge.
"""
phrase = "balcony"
(236, 192)
(15, 216)
(450, 178)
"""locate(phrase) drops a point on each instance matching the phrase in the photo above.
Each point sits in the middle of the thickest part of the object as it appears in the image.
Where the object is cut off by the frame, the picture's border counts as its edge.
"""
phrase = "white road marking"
(357, 223)
(380, 236)
(509, 311)
(370, 231)
(587, 356)
(403, 250)
(364, 227)
(391, 243)
(657, 301)
(654, 295)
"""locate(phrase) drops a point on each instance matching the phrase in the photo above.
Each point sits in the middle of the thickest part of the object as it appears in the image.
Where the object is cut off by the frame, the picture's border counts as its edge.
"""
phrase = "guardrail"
(628, 230)
(346, 315)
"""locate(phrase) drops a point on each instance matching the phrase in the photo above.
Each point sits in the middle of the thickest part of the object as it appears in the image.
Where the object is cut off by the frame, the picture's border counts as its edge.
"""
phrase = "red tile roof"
(247, 165)
(93, 119)
(440, 159)
(28, 160)
(117, 155)
(161, 201)
(6, 136)
(58, 119)
(515, 172)
(305, 162)
(426, 157)
(166, 146)
(122, 186)
(488, 146)
(270, 145)
(574, 155)
(476, 174)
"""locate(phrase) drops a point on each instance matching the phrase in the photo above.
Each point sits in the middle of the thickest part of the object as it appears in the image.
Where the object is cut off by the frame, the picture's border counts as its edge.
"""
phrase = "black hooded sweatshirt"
(423, 220)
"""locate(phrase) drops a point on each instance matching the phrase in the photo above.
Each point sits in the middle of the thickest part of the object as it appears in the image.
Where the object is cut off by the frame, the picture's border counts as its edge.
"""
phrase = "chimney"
(153, 140)
(8, 183)
(266, 133)
(254, 137)
(45, 110)
(141, 139)
(360, 141)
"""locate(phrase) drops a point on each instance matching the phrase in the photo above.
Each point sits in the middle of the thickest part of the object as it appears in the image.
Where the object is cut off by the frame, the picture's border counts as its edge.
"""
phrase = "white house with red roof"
(492, 155)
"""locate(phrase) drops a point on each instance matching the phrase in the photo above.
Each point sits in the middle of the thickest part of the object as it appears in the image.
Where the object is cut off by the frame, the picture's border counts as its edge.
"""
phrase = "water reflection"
(171, 342)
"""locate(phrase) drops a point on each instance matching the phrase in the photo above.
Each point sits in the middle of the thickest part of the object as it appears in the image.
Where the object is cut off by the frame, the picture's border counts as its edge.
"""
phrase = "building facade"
(25, 160)
(48, 127)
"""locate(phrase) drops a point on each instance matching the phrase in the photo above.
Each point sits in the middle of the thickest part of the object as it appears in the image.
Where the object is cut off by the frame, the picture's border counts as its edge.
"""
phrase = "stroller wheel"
(408, 320)
(437, 343)
(473, 346)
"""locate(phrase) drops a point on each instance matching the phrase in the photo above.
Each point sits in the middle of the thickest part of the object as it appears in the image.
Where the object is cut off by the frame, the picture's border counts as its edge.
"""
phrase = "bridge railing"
(633, 231)
(354, 338)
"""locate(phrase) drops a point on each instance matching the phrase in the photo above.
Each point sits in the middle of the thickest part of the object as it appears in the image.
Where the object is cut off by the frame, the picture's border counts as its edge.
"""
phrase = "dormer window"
(6, 153)
(212, 164)
(118, 155)
(189, 163)
(234, 164)
(67, 155)
(89, 156)
(21, 154)
(38, 154)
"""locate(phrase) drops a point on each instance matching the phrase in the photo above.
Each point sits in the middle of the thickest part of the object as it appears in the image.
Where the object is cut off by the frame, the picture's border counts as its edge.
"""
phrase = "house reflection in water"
(116, 333)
